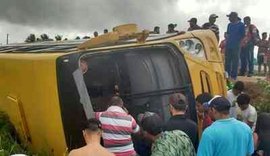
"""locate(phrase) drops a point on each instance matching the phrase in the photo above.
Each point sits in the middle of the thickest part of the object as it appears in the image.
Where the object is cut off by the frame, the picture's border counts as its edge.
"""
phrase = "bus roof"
(67, 46)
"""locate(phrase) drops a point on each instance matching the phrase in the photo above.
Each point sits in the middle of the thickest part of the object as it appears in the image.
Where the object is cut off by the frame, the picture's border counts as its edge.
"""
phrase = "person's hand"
(200, 115)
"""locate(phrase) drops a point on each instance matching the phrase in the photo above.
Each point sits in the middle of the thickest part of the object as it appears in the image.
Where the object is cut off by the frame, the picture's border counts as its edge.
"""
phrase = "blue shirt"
(226, 137)
(235, 33)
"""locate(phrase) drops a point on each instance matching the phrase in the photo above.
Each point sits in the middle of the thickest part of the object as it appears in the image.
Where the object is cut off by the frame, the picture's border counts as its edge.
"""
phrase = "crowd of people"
(238, 45)
(225, 125)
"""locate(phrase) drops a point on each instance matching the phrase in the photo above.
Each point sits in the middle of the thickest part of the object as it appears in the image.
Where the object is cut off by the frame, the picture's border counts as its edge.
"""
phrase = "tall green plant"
(8, 142)
(263, 103)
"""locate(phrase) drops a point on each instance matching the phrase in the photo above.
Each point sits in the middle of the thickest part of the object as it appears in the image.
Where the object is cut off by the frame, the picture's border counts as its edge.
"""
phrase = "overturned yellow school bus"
(49, 88)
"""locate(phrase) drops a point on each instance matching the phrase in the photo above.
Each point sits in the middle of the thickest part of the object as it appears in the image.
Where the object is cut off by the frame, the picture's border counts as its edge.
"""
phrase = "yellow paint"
(30, 79)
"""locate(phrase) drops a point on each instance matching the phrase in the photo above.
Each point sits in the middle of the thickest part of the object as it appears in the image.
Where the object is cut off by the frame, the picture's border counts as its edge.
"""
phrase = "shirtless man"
(92, 134)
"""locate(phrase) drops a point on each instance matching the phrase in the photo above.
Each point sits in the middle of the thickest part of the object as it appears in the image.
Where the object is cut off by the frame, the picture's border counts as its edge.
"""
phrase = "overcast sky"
(72, 18)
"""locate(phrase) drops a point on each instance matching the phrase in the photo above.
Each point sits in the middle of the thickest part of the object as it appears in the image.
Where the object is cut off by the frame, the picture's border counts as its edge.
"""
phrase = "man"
(118, 127)
(105, 31)
(171, 143)
(246, 112)
(247, 52)
(178, 105)
(263, 45)
(193, 24)
(226, 136)
(235, 33)
(171, 28)
(212, 26)
(203, 117)
(92, 134)
(232, 95)
(95, 34)
(156, 30)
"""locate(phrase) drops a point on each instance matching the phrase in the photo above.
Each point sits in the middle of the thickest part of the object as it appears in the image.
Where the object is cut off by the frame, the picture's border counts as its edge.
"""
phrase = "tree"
(58, 38)
(31, 38)
(86, 37)
(44, 37)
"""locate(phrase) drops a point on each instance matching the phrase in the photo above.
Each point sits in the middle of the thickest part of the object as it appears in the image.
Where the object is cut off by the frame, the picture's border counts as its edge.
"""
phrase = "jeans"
(247, 55)
(232, 61)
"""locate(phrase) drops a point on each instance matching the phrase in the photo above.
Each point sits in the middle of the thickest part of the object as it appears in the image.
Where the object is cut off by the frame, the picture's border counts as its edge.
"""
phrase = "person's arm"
(252, 118)
(97, 115)
(255, 140)
(206, 146)
(250, 144)
(242, 31)
(135, 126)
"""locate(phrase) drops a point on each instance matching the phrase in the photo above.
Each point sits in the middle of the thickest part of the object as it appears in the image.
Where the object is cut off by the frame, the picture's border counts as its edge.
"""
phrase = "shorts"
(260, 59)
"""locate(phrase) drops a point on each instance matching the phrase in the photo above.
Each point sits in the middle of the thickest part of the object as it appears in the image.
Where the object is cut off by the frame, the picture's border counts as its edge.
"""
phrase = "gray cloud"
(21, 17)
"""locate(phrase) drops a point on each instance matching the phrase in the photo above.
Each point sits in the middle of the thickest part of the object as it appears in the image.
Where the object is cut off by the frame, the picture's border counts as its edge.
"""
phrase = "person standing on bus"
(212, 26)
(235, 33)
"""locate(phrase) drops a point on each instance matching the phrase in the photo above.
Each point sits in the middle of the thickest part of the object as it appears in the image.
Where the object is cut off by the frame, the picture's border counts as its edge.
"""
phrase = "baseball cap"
(233, 14)
(219, 103)
(194, 20)
(213, 16)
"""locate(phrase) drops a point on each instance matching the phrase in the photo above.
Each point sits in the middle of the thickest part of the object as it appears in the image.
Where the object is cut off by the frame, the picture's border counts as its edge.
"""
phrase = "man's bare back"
(91, 150)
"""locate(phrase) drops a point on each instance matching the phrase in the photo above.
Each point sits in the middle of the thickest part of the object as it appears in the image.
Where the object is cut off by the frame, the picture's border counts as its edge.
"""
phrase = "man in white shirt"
(232, 96)
(246, 112)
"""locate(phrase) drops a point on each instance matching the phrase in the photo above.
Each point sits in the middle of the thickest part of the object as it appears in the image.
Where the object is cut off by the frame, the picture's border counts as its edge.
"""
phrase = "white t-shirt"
(232, 99)
(248, 115)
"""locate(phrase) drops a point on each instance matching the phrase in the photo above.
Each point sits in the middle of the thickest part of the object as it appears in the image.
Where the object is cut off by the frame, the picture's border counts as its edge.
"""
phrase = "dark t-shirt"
(180, 122)
(195, 27)
(212, 27)
(235, 34)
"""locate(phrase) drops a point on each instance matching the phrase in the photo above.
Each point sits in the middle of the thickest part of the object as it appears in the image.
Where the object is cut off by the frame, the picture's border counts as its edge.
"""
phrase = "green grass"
(262, 104)
(8, 142)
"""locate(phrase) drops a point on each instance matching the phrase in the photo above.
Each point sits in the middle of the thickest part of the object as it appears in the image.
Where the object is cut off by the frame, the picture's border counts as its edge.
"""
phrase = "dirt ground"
(251, 87)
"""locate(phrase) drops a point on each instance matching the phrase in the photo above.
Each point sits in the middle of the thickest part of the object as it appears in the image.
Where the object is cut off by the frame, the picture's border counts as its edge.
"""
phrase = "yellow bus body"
(30, 95)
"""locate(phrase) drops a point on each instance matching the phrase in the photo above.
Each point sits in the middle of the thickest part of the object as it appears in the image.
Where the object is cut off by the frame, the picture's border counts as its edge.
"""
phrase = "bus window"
(205, 82)
(145, 78)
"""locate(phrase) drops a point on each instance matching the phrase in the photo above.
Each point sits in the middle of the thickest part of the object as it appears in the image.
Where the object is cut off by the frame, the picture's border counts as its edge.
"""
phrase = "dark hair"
(204, 97)
(180, 105)
(264, 33)
(243, 99)
(263, 123)
(116, 101)
(239, 85)
(247, 18)
(92, 125)
(221, 104)
(152, 124)
(178, 101)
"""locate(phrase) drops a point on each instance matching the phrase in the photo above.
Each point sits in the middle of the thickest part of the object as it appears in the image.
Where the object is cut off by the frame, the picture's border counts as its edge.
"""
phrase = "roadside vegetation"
(9, 144)
(260, 95)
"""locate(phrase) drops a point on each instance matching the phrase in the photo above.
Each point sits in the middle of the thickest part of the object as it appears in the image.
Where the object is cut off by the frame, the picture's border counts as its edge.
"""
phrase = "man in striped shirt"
(117, 126)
